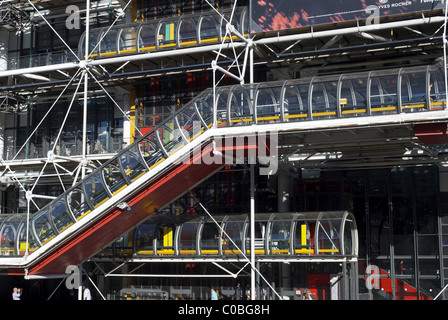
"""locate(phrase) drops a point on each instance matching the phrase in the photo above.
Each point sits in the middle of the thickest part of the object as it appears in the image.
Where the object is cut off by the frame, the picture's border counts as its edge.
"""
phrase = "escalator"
(211, 130)
(398, 288)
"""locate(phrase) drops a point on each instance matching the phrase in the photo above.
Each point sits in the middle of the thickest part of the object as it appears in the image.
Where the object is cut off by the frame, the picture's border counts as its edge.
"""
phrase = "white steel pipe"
(351, 30)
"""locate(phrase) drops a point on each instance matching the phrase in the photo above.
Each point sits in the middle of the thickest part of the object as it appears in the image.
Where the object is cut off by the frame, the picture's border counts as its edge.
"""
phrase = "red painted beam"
(116, 222)
(432, 133)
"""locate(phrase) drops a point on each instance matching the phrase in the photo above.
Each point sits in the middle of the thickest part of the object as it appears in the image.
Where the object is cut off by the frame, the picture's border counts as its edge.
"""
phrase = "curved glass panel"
(296, 101)
(93, 41)
(235, 230)
(95, 189)
(188, 35)
(114, 177)
(167, 34)
(280, 237)
(260, 234)
(235, 22)
(171, 137)
(147, 38)
(208, 31)
(78, 204)
(150, 151)
(132, 163)
(328, 236)
(60, 215)
(204, 105)
(383, 93)
(128, 40)
(413, 90)
(324, 99)
(188, 238)
(353, 99)
(108, 45)
(190, 125)
(268, 104)
(437, 94)
(82, 46)
(42, 227)
(9, 234)
(32, 245)
(144, 239)
(222, 97)
(241, 108)
(244, 29)
(349, 238)
(210, 237)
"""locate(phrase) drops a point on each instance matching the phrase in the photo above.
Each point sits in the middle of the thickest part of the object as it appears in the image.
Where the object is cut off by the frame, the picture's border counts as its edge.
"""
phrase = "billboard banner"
(274, 15)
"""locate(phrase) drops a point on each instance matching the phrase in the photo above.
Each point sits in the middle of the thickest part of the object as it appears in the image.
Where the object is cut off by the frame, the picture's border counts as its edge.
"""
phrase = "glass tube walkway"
(368, 94)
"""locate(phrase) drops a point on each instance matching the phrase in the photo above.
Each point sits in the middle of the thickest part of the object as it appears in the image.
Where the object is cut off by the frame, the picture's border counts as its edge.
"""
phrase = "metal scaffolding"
(234, 58)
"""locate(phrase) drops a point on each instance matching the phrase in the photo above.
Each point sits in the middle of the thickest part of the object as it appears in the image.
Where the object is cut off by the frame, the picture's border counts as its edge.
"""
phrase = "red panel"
(116, 222)
(432, 133)
(318, 284)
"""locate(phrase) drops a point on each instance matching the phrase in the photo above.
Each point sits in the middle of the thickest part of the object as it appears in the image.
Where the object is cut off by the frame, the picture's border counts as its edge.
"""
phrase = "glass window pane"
(114, 178)
(190, 123)
(132, 163)
(9, 233)
(268, 104)
(95, 189)
(234, 230)
(60, 215)
(403, 227)
(350, 238)
(413, 90)
(171, 137)
(353, 96)
(93, 41)
(210, 239)
(204, 105)
(148, 35)
(209, 30)
(109, 43)
(279, 242)
(167, 34)
(241, 106)
(187, 240)
(323, 101)
(222, 98)
(328, 237)
(235, 22)
(78, 204)
(296, 102)
(383, 94)
(128, 40)
(426, 209)
(42, 227)
(187, 32)
(144, 239)
(33, 245)
(150, 151)
(437, 88)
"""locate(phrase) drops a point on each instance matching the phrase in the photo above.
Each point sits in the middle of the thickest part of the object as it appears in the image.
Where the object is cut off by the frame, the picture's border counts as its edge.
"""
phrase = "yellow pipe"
(132, 116)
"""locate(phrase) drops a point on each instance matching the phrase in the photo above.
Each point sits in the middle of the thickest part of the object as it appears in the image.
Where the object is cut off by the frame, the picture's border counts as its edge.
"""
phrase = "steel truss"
(12, 18)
